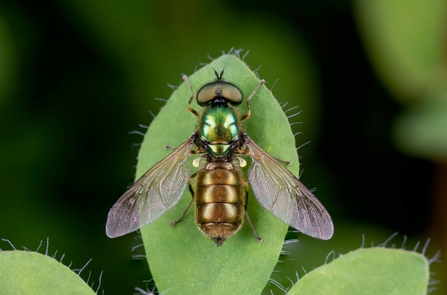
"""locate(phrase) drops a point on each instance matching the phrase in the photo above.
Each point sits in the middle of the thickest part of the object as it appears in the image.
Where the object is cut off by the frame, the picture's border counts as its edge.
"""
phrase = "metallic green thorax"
(219, 126)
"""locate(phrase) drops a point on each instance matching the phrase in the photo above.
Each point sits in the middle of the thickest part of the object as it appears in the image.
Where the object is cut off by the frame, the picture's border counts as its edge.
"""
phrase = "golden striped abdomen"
(220, 200)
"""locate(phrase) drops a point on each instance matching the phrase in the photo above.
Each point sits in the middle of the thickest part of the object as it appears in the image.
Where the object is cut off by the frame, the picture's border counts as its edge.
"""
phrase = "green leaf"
(372, 271)
(34, 273)
(184, 261)
(406, 43)
(420, 131)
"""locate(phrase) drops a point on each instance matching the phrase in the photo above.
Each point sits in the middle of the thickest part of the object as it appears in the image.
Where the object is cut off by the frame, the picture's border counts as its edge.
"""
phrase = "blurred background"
(78, 78)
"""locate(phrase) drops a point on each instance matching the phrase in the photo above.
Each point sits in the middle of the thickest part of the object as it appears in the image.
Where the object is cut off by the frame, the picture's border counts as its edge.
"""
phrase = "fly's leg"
(189, 108)
(189, 205)
(246, 152)
(193, 151)
(183, 214)
(253, 228)
(282, 161)
(248, 114)
(248, 217)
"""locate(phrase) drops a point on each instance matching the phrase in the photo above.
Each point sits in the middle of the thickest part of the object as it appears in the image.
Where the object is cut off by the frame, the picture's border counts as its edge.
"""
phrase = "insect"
(220, 190)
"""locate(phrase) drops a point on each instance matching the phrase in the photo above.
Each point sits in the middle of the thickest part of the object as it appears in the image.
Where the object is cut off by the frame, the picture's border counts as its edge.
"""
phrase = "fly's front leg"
(248, 217)
(248, 114)
(189, 108)
(189, 205)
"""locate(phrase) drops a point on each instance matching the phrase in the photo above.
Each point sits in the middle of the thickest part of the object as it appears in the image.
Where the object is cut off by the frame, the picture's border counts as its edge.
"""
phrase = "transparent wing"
(280, 192)
(153, 194)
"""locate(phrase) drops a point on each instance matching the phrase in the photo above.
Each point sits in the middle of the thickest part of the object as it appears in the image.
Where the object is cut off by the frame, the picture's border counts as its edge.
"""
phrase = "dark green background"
(77, 77)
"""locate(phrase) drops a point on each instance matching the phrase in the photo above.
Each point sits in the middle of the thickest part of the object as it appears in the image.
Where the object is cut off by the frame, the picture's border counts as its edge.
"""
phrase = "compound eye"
(206, 93)
(231, 93)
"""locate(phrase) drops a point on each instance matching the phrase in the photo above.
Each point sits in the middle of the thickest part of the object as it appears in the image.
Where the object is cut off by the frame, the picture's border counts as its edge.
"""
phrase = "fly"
(220, 191)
